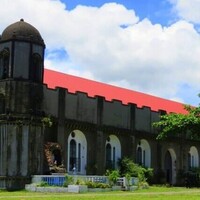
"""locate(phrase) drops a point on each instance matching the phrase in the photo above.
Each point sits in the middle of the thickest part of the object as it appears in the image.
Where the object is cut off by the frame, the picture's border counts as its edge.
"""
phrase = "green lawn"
(161, 193)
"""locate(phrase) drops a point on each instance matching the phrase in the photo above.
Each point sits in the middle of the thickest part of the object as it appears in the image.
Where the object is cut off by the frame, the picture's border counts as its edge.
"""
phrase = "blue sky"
(158, 11)
(151, 46)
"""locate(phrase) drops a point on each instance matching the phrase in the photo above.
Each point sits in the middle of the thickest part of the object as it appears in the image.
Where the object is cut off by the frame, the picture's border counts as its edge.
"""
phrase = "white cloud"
(112, 45)
(187, 9)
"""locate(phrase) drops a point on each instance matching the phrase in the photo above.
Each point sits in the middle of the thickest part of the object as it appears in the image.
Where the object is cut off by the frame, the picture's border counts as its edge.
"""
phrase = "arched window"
(170, 166)
(36, 68)
(139, 155)
(72, 154)
(4, 63)
(77, 152)
(2, 104)
(143, 156)
(113, 152)
(193, 157)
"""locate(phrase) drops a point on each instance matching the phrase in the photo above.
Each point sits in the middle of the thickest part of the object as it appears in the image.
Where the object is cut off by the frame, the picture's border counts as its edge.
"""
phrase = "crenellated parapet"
(98, 111)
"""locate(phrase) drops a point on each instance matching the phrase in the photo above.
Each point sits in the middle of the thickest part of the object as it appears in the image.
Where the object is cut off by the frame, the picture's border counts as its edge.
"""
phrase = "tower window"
(2, 104)
(4, 63)
(36, 68)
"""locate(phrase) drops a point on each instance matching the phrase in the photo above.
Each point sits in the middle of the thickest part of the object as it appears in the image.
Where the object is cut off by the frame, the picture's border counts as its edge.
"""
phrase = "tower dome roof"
(22, 30)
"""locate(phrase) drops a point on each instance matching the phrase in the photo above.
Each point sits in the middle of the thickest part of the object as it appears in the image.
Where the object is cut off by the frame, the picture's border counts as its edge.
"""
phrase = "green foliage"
(143, 185)
(68, 180)
(148, 172)
(47, 122)
(113, 175)
(176, 123)
(80, 182)
(91, 184)
(43, 184)
(130, 169)
(127, 166)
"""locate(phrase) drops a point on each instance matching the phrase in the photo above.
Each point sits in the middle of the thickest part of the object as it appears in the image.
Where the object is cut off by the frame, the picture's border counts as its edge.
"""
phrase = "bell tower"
(22, 53)
(21, 68)
(21, 101)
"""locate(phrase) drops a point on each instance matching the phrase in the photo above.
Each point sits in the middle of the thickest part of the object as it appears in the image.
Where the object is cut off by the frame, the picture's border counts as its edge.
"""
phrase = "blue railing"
(54, 180)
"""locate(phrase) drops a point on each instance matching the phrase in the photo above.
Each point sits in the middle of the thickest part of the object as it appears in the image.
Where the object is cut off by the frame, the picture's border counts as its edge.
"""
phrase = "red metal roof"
(73, 83)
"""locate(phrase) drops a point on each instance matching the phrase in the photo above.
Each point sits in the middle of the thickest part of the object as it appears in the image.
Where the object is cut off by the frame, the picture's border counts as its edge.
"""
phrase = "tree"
(177, 124)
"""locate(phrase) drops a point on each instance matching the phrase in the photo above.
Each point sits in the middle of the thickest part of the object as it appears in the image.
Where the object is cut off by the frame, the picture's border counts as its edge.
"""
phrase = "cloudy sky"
(151, 46)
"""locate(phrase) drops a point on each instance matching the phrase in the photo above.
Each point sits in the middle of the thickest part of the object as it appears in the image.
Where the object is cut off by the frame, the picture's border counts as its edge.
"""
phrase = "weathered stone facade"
(92, 132)
(21, 97)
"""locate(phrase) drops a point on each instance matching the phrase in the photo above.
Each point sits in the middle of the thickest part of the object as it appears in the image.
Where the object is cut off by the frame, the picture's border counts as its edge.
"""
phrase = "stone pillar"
(132, 147)
(132, 138)
(61, 120)
(22, 154)
(100, 153)
(100, 140)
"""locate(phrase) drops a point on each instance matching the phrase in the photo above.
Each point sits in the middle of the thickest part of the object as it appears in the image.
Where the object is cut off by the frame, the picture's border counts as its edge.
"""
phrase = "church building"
(86, 125)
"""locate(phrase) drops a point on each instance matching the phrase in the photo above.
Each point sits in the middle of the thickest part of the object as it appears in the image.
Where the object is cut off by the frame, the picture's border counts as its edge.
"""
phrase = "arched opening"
(72, 157)
(139, 155)
(57, 157)
(53, 158)
(113, 152)
(4, 63)
(193, 157)
(77, 152)
(143, 156)
(36, 68)
(2, 104)
(170, 166)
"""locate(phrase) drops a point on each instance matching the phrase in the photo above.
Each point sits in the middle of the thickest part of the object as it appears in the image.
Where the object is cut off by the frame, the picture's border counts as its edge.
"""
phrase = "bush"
(68, 180)
(91, 184)
(80, 182)
(43, 184)
(131, 169)
(143, 185)
(113, 175)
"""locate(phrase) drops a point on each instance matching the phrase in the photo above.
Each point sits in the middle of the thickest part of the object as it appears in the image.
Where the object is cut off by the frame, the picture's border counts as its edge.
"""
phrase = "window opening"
(144, 157)
(113, 157)
(4, 64)
(72, 154)
(36, 68)
(79, 157)
(139, 155)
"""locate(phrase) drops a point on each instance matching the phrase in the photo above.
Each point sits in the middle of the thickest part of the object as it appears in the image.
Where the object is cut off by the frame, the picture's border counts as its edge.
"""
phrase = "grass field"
(161, 193)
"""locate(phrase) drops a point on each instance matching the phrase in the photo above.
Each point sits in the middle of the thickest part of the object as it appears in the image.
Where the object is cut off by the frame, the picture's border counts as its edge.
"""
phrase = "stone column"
(100, 153)
(61, 119)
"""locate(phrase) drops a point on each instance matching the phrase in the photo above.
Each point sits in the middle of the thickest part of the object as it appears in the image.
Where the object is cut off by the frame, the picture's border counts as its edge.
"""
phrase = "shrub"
(91, 184)
(80, 182)
(43, 184)
(68, 180)
(129, 168)
(113, 175)
(143, 185)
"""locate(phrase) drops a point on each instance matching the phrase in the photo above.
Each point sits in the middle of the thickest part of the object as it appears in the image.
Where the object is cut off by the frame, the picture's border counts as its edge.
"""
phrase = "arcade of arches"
(77, 155)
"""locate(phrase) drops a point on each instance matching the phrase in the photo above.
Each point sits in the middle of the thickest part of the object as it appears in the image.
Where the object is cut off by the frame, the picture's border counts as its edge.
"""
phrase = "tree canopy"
(177, 124)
